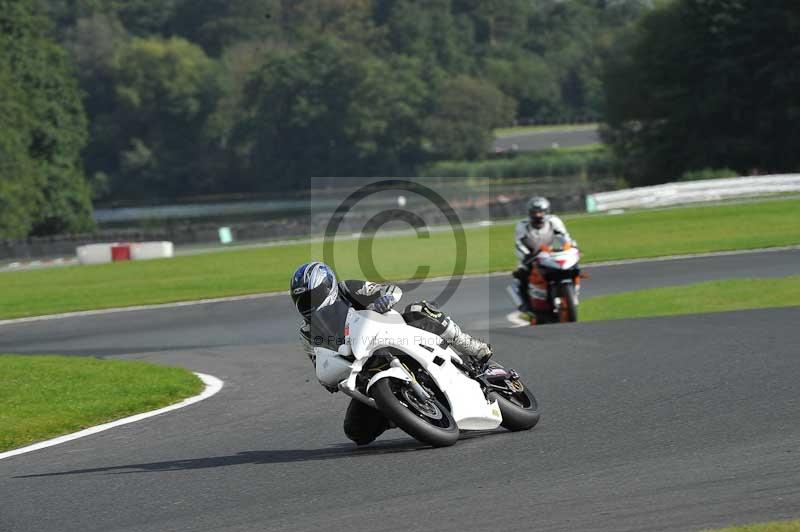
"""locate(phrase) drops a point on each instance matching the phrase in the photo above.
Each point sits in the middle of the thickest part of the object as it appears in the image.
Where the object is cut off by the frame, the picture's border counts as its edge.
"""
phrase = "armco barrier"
(692, 192)
(117, 251)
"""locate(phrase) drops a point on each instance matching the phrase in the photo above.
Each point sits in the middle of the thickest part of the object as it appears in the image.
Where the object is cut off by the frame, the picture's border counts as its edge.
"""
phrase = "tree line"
(171, 99)
(117, 101)
(705, 84)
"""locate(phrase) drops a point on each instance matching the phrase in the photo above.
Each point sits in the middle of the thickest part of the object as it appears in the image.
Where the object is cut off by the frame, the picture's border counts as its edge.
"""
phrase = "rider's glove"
(530, 258)
(383, 304)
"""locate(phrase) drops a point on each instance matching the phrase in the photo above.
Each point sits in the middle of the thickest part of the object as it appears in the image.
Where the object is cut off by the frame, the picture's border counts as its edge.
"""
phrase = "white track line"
(213, 385)
(433, 279)
(156, 306)
(516, 321)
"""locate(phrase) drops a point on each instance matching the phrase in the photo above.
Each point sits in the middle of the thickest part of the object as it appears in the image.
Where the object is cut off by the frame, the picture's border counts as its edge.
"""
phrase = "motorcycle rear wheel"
(429, 422)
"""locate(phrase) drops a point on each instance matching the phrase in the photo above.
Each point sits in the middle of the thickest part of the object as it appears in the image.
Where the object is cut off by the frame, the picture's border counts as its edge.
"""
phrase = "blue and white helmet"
(313, 287)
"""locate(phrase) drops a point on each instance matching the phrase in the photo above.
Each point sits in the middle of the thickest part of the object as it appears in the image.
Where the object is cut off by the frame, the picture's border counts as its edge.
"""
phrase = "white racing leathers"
(529, 239)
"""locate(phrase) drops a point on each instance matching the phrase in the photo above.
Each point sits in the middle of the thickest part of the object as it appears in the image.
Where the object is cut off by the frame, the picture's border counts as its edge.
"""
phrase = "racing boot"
(428, 317)
(466, 344)
(520, 294)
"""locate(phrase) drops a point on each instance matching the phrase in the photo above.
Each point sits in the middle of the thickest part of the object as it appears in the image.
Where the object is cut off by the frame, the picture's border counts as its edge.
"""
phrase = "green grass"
(716, 296)
(46, 396)
(521, 130)
(601, 237)
(775, 526)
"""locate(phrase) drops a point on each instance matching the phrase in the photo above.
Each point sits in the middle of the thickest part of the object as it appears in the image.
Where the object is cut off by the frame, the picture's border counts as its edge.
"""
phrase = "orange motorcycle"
(554, 283)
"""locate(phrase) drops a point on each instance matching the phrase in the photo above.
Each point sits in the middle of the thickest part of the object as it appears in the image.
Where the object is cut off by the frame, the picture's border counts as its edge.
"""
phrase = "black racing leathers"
(362, 423)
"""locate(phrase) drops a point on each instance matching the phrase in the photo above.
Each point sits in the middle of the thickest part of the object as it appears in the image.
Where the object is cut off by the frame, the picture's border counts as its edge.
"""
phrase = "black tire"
(569, 304)
(363, 424)
(440, 432)
(519, 409)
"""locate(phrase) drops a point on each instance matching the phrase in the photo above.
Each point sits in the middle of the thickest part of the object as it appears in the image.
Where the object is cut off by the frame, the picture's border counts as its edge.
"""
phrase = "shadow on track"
(278, 456)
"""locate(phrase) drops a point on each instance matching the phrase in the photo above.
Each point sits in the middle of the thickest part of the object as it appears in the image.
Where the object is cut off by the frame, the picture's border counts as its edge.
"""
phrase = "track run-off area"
(679, 423)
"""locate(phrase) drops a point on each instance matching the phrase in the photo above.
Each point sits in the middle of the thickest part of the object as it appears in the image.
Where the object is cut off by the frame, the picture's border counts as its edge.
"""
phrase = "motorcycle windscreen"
(369, 330)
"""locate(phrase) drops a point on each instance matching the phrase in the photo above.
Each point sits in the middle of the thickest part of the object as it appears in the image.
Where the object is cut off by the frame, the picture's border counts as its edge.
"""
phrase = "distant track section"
(547, 139)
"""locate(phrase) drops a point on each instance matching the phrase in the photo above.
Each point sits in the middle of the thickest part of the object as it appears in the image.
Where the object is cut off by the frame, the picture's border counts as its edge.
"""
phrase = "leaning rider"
(531, 234)
(324, 303)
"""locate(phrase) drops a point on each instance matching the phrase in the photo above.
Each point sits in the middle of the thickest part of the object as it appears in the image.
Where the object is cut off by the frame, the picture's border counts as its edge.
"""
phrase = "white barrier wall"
(693, 192)
(151, 250)
(116, 251)
(94, 253)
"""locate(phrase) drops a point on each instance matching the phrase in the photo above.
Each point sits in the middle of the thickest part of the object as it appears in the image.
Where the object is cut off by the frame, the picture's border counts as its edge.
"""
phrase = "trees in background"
(187, 98)
(465, 113)
(19, 185)
(706, 84)
(164, 92)
(330, 109)
(42, 130)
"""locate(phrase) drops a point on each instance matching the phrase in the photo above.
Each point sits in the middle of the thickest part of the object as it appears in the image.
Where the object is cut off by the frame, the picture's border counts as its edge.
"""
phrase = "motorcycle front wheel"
(428, 421)
(519, 408)
(569, 304)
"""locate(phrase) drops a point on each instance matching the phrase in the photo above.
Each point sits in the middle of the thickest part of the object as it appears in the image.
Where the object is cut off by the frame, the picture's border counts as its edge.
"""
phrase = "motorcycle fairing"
(367, 331)
(330, 366)
(559, 260)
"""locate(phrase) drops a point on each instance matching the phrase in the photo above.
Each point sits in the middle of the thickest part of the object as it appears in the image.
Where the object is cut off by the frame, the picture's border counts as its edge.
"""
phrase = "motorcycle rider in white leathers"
(324, 304)
(539, 229)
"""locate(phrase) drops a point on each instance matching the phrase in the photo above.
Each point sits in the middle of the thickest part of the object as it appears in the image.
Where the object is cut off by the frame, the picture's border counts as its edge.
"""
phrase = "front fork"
(416, 387)
(395, 370)
(554, 292)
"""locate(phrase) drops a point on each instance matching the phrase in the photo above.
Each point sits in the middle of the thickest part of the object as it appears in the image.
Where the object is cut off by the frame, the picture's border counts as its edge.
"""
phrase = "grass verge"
(717, 296)
(46, 396)
(775, 526)
(601, 237)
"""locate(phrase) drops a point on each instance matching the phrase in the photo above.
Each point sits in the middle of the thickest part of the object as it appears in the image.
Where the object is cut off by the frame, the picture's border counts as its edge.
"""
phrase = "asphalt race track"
(652, 424)
(545, 140)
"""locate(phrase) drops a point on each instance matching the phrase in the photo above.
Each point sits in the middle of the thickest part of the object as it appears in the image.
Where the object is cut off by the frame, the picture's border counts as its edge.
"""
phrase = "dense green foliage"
(190, 98)
(706, 84)
(165, 91)
(590, 162)
(331, 109)
(183, 98)
(42, 130)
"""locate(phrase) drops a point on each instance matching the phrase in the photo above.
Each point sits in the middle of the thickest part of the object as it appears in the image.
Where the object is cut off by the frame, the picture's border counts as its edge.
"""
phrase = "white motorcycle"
(420, 383)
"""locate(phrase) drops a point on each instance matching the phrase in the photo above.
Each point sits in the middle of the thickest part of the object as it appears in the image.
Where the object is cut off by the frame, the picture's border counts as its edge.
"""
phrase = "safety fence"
(692, 192)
